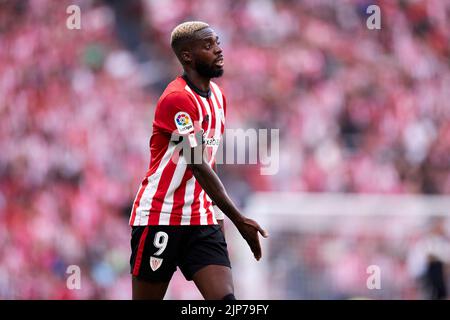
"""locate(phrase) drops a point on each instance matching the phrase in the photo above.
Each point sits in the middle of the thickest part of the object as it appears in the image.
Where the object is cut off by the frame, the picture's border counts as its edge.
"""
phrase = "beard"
(208, 71)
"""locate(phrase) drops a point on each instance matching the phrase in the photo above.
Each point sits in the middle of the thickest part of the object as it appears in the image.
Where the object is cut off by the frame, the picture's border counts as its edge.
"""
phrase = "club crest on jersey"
(183, 122)
(155, 263)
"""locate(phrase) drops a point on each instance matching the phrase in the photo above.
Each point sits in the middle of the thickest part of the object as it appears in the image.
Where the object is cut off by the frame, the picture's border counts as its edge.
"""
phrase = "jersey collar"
(204, 94)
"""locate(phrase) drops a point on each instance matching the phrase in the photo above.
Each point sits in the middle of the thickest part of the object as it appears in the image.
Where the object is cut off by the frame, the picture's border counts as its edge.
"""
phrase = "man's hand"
(249, 230)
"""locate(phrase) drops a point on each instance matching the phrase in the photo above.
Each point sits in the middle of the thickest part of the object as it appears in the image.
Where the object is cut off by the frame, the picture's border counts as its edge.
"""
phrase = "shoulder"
(176, 93)
(175, 97)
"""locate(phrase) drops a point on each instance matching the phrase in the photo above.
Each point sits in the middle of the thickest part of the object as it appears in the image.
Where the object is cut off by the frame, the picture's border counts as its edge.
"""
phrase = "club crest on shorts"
(155, 263)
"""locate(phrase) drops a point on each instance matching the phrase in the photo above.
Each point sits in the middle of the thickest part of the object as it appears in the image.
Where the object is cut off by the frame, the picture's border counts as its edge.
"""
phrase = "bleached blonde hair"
(185, 31)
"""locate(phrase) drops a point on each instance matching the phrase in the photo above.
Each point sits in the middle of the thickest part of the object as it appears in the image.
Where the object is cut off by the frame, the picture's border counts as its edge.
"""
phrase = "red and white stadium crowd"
(359, 111)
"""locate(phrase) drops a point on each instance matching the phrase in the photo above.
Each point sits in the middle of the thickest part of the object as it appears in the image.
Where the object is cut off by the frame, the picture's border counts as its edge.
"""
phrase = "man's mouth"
(219, 62)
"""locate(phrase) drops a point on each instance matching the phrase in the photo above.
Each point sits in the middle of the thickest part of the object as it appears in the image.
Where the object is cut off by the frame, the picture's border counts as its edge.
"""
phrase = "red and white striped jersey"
(169, 194)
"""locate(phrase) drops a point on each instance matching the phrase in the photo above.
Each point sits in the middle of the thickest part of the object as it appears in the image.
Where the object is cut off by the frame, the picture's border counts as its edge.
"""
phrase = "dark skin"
(213, 281)
(219, 221)
(202, 49)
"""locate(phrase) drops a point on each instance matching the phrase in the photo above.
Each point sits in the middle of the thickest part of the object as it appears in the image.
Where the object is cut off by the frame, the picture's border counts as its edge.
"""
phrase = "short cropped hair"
(185, 31)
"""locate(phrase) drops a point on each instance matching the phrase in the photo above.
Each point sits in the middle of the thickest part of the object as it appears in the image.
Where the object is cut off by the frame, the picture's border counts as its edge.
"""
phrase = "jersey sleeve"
(177, 115)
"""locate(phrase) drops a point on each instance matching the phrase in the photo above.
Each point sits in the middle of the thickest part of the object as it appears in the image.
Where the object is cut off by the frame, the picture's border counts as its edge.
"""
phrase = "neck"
(197, 80)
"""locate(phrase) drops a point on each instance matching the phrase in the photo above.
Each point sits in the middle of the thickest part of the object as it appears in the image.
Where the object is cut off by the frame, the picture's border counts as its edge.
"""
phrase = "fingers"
(263, 232)
(255, 245)
(253, 238)
(256, 248)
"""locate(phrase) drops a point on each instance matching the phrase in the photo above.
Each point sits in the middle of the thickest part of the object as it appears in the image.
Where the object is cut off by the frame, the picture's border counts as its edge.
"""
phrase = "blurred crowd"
(358, 110)
(383, 258)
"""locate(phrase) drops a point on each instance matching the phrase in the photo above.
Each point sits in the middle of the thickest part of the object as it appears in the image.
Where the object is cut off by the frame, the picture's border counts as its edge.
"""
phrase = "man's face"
(207, 54)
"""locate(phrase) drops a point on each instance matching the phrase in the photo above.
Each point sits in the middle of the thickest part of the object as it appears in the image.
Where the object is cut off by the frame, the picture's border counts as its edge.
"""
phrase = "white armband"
(218, 213)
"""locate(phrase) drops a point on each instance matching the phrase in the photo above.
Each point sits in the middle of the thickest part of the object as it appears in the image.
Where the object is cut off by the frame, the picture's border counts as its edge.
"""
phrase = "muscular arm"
(212, 185)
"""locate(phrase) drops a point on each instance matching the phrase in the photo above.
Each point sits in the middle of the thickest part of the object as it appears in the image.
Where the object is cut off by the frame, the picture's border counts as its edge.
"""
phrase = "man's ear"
(186, 56)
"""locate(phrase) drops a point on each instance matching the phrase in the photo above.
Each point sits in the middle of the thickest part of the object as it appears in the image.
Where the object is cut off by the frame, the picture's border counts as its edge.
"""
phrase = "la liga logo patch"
(183, 122)
(183, 119)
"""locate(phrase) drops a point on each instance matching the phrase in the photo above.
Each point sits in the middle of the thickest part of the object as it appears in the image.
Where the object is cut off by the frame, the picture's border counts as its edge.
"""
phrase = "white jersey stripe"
(218, 92)
(218, 126)
(200, 112)
(143, 210)
(202, 210)
(211, 209)
(188, 200)
(219, 96)
(164, 217)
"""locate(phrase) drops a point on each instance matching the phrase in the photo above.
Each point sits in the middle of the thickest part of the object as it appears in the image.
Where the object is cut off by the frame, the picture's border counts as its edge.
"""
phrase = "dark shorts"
(156, 251)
